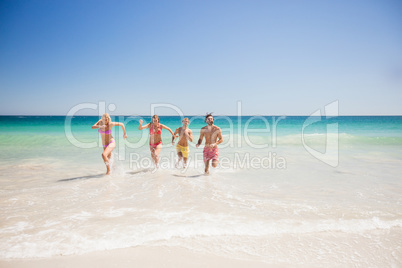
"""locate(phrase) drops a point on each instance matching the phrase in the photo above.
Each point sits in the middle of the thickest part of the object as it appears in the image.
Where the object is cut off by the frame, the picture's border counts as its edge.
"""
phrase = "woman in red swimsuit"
(104, 126)
(155, 140)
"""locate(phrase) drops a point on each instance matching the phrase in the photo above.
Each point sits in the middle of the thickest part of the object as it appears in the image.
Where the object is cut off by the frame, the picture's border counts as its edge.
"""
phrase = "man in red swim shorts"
(213, 137)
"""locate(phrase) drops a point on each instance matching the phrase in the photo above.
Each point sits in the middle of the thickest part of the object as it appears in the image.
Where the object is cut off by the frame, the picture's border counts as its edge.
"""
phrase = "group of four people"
(211, 133)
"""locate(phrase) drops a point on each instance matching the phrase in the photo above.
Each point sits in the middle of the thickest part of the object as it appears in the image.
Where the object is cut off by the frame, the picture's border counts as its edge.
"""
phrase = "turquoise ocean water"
(289, 190)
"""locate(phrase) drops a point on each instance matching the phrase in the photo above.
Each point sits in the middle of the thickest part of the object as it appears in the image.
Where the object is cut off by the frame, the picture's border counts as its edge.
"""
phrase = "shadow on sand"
(84, 177)
(144, 170)
(187, 176)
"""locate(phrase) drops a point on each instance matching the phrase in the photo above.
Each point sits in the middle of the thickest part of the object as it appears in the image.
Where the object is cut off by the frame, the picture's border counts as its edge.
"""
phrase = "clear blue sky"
(276, 57)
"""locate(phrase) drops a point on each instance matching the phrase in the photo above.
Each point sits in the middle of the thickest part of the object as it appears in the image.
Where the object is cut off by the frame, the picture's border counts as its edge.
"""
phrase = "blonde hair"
(107, 116)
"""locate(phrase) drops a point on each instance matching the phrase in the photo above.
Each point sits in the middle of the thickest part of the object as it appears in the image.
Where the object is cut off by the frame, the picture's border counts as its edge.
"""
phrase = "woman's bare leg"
(157, 152)
(107, 152)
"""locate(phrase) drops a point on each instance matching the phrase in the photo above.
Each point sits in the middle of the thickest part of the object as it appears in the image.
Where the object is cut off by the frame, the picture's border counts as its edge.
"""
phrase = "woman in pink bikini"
(105, 129)
(155, 140)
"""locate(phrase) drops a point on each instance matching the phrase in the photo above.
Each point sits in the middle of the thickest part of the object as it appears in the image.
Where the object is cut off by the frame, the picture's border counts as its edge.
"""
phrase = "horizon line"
(199, 115)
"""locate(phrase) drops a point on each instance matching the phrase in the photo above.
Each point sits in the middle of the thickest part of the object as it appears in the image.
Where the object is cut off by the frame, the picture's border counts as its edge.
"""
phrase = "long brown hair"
(155, 116)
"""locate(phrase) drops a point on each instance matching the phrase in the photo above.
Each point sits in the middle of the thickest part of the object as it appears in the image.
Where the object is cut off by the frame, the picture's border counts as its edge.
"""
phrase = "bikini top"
(105, 132)
(151, 130)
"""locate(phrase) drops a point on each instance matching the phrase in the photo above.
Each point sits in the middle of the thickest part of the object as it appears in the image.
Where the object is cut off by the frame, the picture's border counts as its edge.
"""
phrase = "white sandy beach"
(308, 250)
(135, 257)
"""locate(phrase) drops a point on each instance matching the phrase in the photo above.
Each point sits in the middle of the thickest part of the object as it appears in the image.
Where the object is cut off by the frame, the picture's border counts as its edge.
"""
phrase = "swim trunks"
(184, 150)
(210, 153)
